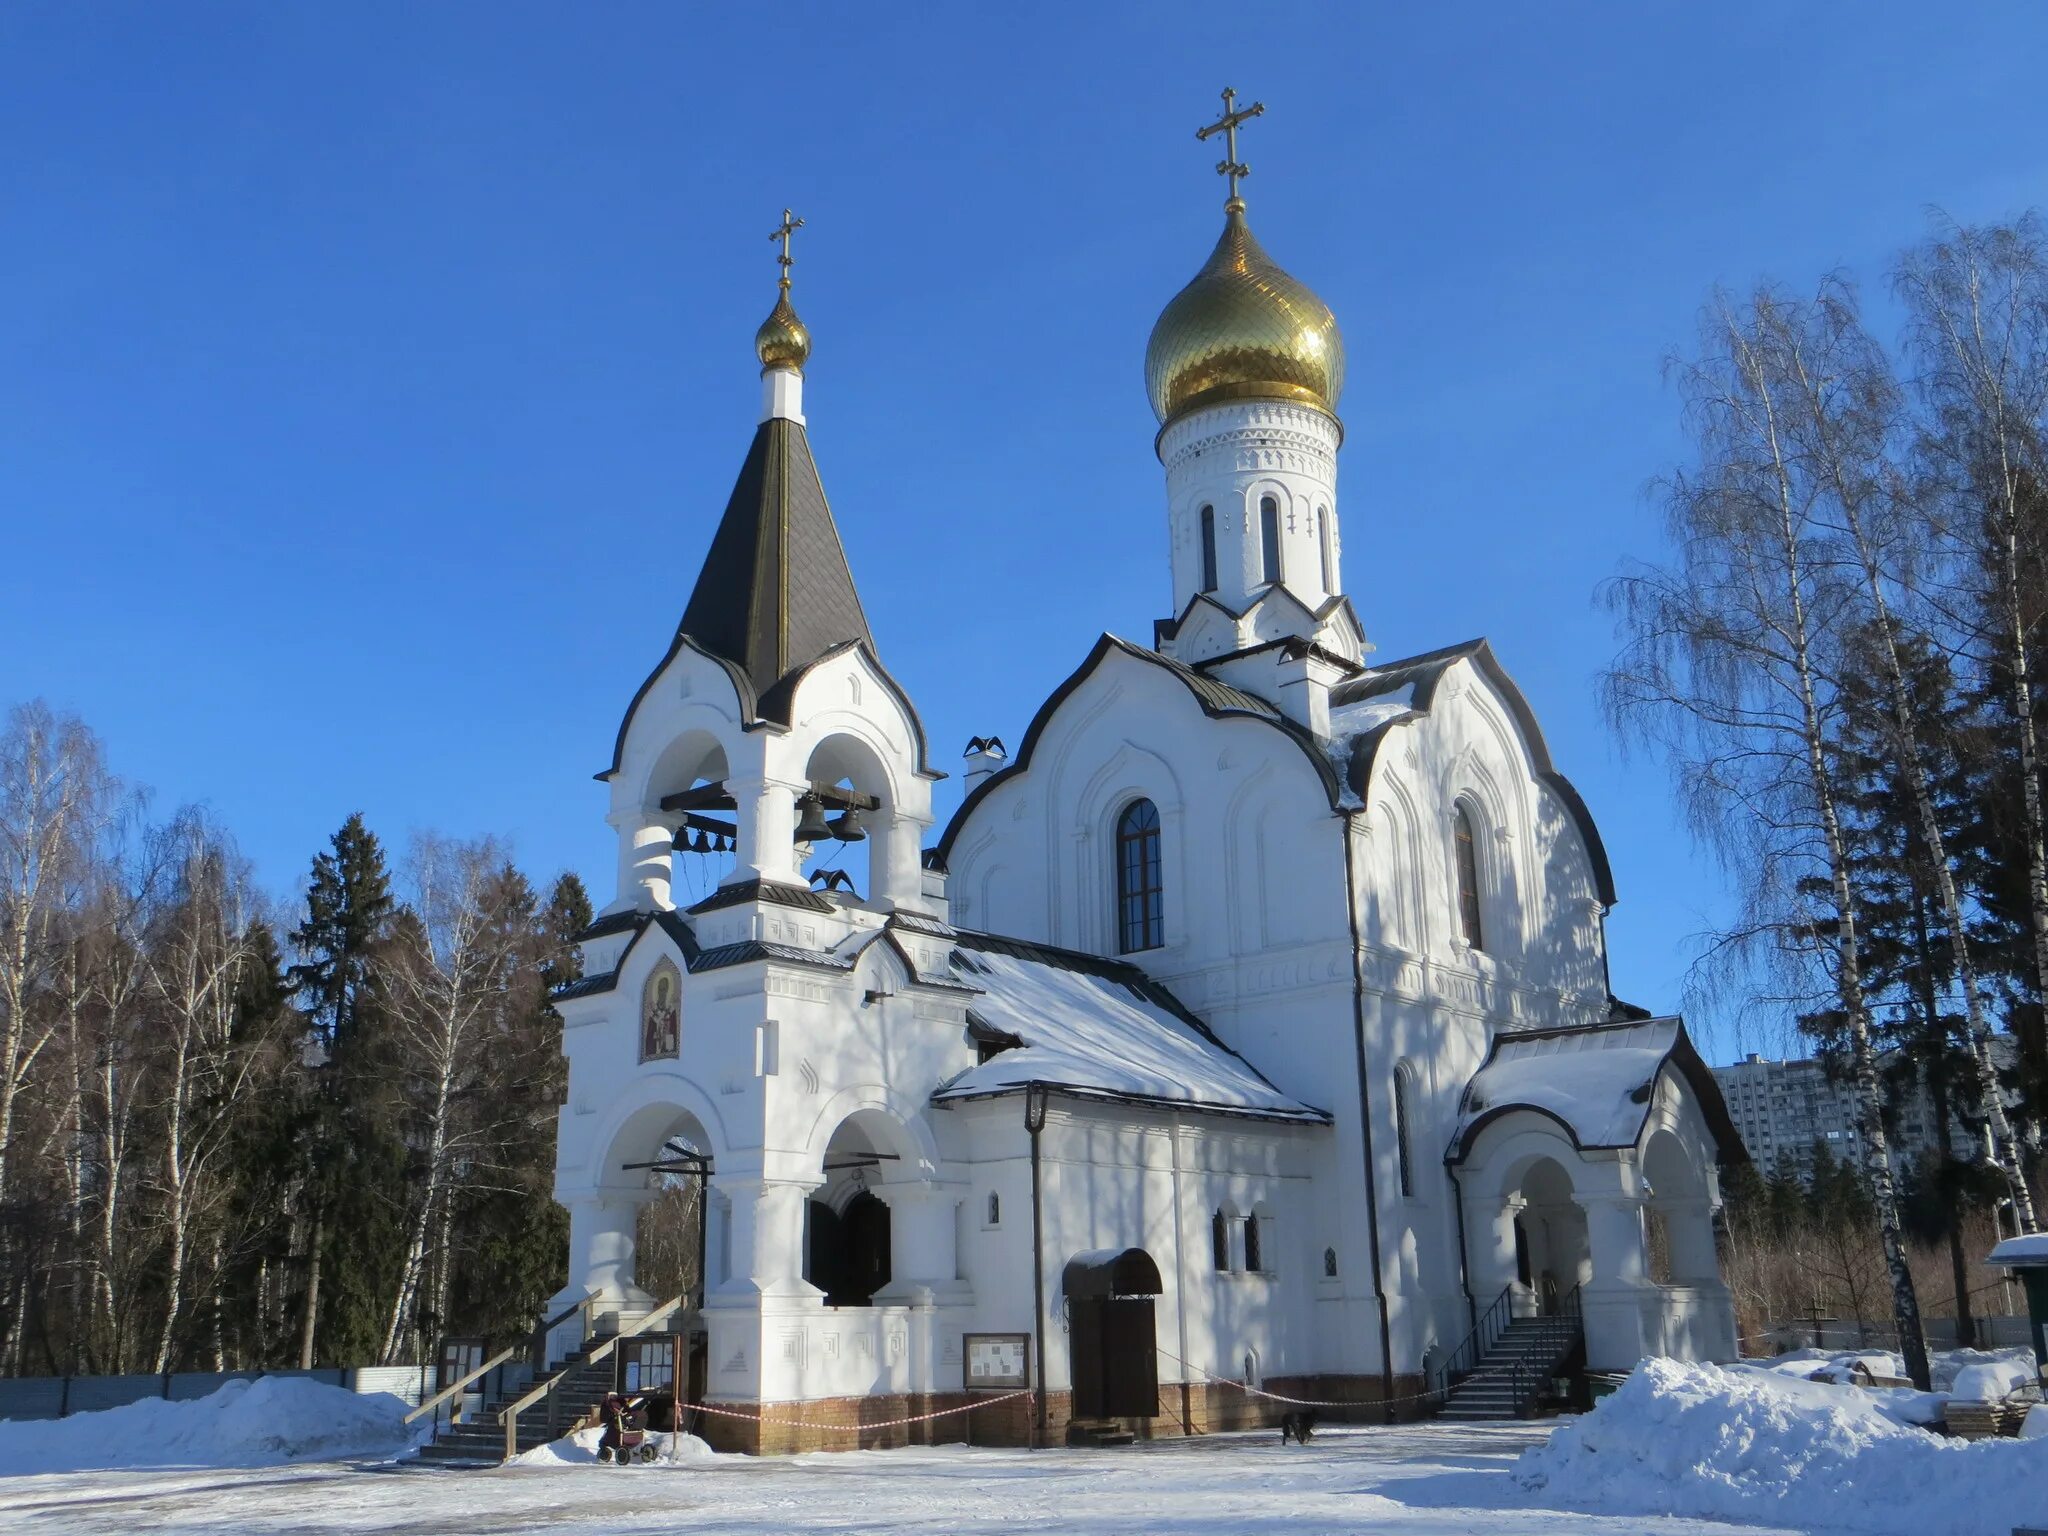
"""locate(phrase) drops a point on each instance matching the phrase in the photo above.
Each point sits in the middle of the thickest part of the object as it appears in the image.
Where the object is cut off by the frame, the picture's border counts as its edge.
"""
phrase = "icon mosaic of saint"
(660, 1015)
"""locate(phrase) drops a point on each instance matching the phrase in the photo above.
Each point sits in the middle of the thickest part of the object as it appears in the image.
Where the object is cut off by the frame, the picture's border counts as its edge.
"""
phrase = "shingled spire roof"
(775, 593)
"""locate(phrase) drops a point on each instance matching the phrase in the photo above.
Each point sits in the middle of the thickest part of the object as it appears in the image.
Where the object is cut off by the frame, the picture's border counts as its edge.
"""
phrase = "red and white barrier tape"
(1322, 1402)
(916, 1418)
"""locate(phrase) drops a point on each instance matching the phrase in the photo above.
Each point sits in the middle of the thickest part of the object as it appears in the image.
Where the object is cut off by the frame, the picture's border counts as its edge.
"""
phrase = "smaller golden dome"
(783, 340)
(1243, 329)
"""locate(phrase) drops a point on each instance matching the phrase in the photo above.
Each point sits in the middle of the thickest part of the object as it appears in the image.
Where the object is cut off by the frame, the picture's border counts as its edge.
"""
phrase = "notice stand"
(994, 1363)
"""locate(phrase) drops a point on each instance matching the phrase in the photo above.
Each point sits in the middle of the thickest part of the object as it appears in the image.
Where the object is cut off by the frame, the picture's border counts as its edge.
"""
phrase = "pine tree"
(349, 908)
(348, 905)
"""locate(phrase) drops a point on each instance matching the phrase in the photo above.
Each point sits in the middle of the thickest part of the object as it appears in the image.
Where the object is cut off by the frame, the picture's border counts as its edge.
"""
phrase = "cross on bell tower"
(1227, 125)
(789, 226)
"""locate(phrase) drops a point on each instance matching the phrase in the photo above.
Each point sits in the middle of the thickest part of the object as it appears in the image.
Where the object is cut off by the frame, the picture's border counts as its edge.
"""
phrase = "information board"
(997, 1361)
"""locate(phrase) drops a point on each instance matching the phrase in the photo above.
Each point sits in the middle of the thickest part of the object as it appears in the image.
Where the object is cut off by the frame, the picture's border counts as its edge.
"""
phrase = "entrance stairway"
(1507, 1363)
(479, 1440)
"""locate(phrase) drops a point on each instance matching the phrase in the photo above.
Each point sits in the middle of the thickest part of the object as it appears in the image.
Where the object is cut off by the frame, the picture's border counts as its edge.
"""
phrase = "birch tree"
(1838, 410)
(462, 941)
(1727, 666)
(1977, 301)
(54, 793)
(206, 1069)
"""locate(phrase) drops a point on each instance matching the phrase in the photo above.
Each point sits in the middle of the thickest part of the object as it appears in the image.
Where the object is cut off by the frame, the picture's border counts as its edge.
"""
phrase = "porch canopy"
(1597, 1082)
(1105, 1272)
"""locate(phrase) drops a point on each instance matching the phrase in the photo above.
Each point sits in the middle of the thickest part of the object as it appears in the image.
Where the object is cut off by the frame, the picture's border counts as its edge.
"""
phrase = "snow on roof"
(2030, 1250)
(1596, 1080)
(1099, 1029)
(1353, 722)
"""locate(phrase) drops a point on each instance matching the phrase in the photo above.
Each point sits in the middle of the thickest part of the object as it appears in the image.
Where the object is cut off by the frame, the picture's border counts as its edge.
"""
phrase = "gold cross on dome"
(1226, 125)
(789, 226)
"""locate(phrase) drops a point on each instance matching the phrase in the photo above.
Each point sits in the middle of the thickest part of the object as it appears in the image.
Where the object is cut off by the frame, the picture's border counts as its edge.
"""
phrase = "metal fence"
(56, 1397)
(1996, 1332)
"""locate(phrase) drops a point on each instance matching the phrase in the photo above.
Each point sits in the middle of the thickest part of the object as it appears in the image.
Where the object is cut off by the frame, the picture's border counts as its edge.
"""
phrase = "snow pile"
(1990, 1381)
(579, 1449)
(245, 1424)
(1746, 1444)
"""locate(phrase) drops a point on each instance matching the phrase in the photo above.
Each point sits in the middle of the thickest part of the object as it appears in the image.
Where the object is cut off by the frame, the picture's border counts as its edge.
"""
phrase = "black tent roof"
(775, 593)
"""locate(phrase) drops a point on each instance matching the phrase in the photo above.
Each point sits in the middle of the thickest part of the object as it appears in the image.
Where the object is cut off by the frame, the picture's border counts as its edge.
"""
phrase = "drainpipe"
(1180, 1288)
(1372, 1197)
(1034, 1122)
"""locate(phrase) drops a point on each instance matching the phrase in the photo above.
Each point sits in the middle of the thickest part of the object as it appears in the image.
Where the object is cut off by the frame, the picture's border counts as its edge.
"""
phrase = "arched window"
(1402, 1143)
(1140, 892)
(1219, 1242)
(1253, 1260)
(1269, 539)
(995, 1209)
(1468, 881)
(661, 1013)
(1208, 549)
(1329, 1263)
(1329, 562)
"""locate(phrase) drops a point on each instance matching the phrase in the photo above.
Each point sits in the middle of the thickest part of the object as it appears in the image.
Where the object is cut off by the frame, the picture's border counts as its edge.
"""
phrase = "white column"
(1490, 1229)
(1689, 1225)
(896, 869)
(766, 821)
(1613, 1301)
(922, 1259)
(603, 1238)
(766, 1257)
(646, 846)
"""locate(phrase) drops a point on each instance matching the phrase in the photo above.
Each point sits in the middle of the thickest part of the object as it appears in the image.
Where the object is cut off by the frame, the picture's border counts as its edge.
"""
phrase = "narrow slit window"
(1402, 1144)
(1269, 539)
(1329, 562)
(1219, 1241)
(1140, 890)
(1208, 549)
(1468, 881)
(1253, 1260)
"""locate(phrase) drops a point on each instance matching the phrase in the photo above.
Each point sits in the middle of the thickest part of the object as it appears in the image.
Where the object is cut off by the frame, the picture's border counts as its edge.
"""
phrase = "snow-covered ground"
(1678, 1448)
(1418, 1481)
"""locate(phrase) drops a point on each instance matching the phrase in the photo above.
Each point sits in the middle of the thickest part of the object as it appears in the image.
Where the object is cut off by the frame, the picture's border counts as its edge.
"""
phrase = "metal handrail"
(509, 1414)
(539, 1337)
(1493, 1322)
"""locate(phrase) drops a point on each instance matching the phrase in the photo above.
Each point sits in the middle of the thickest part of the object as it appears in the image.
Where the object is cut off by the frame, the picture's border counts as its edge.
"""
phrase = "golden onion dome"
(783, 341)
(1243, 329)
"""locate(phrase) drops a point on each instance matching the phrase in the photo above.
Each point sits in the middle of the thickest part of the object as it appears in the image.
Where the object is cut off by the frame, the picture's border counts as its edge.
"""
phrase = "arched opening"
(1552, 1254)
(1208, 549)
(853, 849)
(1329, 555)
(669, 1228)
(846, 1224)
(703, 844)
(1678, 1217)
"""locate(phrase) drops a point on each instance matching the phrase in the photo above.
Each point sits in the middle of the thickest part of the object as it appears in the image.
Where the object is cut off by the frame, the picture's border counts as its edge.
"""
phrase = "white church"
(1245, 1036)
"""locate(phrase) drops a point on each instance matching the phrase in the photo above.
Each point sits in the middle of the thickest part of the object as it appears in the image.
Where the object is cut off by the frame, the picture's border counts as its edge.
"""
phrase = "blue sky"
(371, 376)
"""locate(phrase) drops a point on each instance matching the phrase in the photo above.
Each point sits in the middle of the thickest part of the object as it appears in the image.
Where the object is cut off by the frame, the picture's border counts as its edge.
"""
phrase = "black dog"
(1298, 1426)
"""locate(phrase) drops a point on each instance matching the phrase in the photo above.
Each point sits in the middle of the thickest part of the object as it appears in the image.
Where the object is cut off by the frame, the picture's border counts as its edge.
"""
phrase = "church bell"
(848, 828)
(810, 827)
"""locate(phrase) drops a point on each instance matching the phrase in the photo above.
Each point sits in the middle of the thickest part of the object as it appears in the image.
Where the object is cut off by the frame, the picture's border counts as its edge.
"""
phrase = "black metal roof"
(775, 593)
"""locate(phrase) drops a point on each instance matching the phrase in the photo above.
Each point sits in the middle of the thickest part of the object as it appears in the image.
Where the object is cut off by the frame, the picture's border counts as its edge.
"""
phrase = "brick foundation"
(1201, 1408)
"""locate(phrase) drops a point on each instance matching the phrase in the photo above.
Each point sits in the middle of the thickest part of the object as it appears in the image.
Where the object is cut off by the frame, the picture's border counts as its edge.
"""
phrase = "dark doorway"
(846, 1253)
(1112, 1334)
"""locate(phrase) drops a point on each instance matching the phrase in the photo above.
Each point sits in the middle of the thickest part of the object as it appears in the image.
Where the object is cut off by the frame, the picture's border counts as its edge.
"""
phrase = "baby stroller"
(624, 1440)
